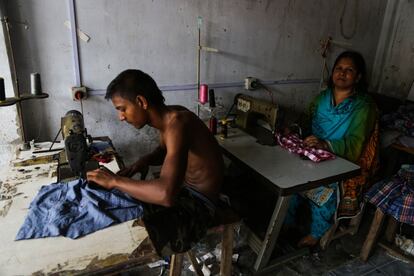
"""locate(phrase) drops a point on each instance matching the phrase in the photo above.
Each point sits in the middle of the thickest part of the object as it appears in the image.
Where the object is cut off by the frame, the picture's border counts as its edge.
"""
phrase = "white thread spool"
(35, 84)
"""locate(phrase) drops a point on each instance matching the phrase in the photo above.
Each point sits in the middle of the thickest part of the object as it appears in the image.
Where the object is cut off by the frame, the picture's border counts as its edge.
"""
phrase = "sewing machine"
(76, 160)
(257, 117)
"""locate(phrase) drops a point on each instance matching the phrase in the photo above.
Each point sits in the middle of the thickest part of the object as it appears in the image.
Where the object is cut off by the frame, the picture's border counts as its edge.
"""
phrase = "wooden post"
(226, 250)
(372, 234)
(176, 264)
(194, 262)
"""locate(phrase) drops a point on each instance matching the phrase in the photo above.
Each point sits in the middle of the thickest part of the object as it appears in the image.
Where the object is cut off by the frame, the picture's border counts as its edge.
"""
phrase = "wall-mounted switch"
(250, 83)
(79, 93)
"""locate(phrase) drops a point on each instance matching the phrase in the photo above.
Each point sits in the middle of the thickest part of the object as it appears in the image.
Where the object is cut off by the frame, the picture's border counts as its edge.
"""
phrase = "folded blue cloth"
(75, 209)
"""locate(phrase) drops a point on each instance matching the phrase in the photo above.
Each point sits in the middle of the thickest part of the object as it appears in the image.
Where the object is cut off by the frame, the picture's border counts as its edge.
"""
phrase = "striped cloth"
(294, 144)
(395, 196)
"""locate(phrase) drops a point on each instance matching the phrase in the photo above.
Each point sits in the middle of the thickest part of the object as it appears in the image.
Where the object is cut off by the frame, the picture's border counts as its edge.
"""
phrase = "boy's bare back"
(184, 131)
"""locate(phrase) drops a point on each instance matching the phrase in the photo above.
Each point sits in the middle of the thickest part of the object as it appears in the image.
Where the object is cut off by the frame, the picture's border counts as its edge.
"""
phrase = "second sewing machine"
(257, 117)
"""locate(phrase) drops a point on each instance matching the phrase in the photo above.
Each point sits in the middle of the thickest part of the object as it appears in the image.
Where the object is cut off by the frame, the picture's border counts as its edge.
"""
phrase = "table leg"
(272, 232)
(372, 234)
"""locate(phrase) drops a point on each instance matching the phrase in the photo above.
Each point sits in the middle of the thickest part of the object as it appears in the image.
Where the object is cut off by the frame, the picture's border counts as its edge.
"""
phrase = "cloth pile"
(395, 196)
(75, 209)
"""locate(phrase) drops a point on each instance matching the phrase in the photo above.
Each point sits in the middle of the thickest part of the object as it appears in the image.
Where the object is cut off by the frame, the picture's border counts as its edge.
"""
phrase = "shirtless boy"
(179, 205)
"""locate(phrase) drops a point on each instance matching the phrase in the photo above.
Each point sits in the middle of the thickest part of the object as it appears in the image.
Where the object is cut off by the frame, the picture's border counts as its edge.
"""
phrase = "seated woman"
(342, 119)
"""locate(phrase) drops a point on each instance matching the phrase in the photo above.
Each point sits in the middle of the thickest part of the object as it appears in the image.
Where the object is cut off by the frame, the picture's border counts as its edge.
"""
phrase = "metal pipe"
(15, 81)
(11, 55)
(188, 87)
(198, 62)
(75, 46)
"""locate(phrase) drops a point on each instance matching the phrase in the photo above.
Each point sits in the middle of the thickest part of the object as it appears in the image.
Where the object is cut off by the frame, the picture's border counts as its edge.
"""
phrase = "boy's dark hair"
(131, 83)
(359, 62)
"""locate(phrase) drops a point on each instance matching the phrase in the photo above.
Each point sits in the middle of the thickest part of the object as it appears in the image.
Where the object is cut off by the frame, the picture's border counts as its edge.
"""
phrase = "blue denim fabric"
(75, 209)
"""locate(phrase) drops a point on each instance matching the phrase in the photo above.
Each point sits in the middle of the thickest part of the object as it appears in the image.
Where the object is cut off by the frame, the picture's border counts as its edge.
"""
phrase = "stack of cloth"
(395, 196)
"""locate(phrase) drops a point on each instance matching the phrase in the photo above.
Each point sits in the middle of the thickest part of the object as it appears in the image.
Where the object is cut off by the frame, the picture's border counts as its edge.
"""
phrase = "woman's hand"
(137, 167)
(314, 142)
(102, 177)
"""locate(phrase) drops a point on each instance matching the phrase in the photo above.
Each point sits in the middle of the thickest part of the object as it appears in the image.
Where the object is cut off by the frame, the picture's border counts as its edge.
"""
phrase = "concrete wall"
(396, 76)
(270, 40)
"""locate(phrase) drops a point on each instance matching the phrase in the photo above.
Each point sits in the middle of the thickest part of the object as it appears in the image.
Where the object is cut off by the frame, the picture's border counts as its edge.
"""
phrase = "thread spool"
(2, 91)
(35, 84)
(203, 94)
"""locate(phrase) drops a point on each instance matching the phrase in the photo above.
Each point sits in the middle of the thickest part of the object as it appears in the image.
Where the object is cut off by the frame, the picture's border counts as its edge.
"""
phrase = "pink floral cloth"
(294, 144)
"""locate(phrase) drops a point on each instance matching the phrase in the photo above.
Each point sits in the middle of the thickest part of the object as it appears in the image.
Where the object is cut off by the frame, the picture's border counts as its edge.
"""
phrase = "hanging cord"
(270, 92)
(54, 140)
(81, 103)
(325, 44)
(341, 20)
(324, 74)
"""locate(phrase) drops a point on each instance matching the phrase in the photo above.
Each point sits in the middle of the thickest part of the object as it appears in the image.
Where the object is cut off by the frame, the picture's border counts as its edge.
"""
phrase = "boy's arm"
(154, 158)
(161, 191)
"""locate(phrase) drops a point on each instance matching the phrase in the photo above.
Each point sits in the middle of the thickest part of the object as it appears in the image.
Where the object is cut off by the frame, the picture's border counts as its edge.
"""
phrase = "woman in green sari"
(342, 119)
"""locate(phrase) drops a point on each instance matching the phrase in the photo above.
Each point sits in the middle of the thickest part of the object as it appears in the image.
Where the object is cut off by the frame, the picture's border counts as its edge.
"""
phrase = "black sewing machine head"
(76, 147)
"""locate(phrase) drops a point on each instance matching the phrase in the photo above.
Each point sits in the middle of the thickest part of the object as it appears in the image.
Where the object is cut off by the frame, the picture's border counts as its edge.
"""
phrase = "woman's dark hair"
(359, 62)
(131, 83)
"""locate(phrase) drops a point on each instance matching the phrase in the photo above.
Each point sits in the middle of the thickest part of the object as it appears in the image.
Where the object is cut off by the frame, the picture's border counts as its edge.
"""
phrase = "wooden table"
(95, 252)
(288, 174)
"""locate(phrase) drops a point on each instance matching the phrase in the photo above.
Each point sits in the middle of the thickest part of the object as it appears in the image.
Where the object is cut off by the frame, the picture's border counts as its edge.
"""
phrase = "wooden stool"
(226, 220)
(337, 231)
(374, 232)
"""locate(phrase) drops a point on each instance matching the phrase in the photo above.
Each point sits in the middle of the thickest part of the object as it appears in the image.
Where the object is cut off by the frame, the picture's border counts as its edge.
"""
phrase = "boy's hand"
(102, 177)
(135, 168)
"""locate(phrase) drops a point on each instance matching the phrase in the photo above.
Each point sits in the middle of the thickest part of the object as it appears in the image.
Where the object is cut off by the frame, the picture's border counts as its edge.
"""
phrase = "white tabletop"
(109, 246)
(287, 171)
